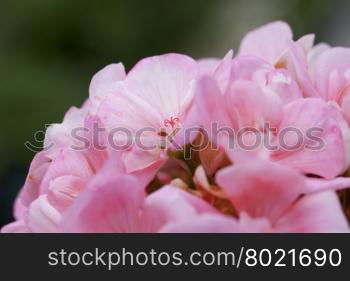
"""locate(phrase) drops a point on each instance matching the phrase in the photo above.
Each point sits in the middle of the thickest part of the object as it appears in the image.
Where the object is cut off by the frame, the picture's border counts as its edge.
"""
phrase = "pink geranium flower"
(119, 203)
(269, 198)
(155, 96)
(51, 186)
(260, 177)
(271, 42)
(320, 70)
(246, 105)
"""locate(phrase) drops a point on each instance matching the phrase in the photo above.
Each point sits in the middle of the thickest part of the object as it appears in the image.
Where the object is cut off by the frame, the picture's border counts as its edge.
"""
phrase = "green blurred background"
(49, 50)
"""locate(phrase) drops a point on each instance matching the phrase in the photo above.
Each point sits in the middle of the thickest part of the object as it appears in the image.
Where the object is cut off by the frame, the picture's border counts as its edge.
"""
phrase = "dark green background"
(49, 50)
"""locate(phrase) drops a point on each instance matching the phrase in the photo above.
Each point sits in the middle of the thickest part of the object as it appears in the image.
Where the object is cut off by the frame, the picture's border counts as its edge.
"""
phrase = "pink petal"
(316, 185)
(249, 67)
(37, 170)
(207, 223)
(306, 114)
(60, 135)
(164, 82)
(15, 227)
(252, 106)
(315, 52)
(281, 83)
(223, 72)
(169, 205)
(319, 212)
(307, 42)
(267, 42)
(207, 66)
(96, 150)
(112, 206)
(216, 223)
(346, 108)
(295, 61)
(67, 162)
(124, 110)
(177, 202)
(108, 75)
(260, 188)
(105, 82)
(119, 205)
(19, 208)
(138, 159)
(115, 165)
(211, 105)
(42, 217)
(329, 72)
(64, 190)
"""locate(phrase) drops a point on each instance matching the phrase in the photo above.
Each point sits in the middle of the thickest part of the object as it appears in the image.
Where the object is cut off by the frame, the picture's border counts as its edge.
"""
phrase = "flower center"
(169, 129)
(171, 122)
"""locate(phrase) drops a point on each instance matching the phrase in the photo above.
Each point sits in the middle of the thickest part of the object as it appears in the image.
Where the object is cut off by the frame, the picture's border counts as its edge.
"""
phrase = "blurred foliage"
(49, 50)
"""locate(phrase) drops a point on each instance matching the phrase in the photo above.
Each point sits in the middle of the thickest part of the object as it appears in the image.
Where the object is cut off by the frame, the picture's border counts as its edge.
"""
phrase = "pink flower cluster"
(273, 79)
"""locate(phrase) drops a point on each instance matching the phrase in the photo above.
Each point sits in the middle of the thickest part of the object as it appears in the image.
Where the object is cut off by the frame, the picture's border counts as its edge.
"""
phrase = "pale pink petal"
(125, 110)
(261, 188)
(207, 223)
(19, 209)
(63, 191)
(212, 107)
(112, 206)
(254, 225)
(329, 72)
(346, 108)
(195, 116)
(169, 205)
(108, 75)
(207, 66)
(315, 52)
(277, 81)
(67, 162)
(15, 227)
(138, 159)
(252, 106)
(114, 165)
(319, 212)
(301, 151)
(267, 42)
(223, 72)
(177, 202)
(339, 116)
(105, 82)
(96, 143)
(165, 82)
(61, 135)
(316, 185)
(295, 61)
(281, 83)
(37, 170)
(250, 67)
(120, 205)
(42, 217)
(307, 42)
(217, 223)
